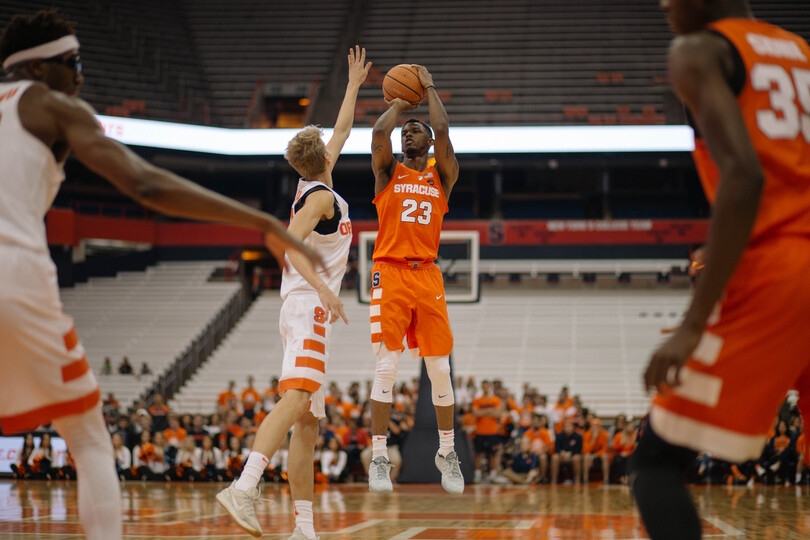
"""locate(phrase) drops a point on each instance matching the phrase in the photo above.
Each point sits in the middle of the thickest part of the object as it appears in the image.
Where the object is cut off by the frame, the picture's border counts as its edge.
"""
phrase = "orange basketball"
(402, 82)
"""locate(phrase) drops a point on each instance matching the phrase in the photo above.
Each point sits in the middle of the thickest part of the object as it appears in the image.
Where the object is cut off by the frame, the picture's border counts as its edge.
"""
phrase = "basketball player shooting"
(407, 295)
(743, 342)
(41, 121)
(311, 305)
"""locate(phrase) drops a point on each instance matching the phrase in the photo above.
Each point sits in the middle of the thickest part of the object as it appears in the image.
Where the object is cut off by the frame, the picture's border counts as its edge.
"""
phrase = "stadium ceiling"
(466, 140)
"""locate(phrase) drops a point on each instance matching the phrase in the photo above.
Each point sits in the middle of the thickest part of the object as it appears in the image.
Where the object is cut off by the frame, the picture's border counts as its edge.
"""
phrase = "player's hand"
(332, 304)
(278, 241)
(358, 68)
(664, 369)
(424, 75)
(400, 104)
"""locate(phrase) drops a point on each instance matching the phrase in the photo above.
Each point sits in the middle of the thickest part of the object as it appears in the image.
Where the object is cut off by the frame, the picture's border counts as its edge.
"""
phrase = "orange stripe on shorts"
(309, 362)
(377, 318)
(74, 370)
(312, 345)
(320, 330)
(298, 384)
(71, 339)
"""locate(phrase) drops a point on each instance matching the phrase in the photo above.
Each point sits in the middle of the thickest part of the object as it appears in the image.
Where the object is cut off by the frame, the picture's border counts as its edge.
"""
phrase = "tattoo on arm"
(449, 152)
(378, 148)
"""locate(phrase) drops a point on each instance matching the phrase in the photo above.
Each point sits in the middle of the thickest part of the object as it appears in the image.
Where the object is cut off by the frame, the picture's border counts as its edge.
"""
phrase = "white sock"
(379, 446)
(303, 518)
(99, 491)
(798, 477)
(446, 442)
(252, 473)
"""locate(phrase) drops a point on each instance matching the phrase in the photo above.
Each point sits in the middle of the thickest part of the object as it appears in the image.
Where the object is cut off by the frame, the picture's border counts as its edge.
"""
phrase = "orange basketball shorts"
(408, 302)
(755, 348)
(45, 371)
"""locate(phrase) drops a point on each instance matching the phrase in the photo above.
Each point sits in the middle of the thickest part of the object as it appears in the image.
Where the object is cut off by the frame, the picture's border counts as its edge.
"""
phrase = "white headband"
(46, 50)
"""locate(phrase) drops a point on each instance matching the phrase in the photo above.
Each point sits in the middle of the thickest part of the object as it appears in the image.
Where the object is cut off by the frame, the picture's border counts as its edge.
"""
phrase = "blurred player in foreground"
(743, 341)
(41, 122)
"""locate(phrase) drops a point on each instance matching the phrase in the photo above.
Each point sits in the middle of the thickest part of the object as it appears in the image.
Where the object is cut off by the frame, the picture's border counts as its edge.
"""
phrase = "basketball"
(402, 82)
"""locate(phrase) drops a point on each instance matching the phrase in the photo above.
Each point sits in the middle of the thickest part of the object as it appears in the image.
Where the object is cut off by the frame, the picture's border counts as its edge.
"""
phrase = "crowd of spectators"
(527, 441)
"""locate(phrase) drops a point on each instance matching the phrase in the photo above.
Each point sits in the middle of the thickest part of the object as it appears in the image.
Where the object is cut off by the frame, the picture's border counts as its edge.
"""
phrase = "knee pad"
(438, 368)
(385, 375)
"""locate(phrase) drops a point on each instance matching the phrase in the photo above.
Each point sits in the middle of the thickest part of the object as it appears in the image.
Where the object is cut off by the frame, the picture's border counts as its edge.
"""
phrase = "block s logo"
(375, 279)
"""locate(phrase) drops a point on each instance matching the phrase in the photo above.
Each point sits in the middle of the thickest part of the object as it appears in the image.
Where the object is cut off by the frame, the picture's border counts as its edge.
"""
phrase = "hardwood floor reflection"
(186, 510)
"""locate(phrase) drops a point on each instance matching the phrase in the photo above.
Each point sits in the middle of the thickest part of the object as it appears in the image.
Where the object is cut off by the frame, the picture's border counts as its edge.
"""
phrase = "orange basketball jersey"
(775, 102)
(411, 209)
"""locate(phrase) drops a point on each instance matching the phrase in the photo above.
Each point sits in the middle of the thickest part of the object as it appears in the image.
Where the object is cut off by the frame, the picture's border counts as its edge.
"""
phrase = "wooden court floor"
(47, 510)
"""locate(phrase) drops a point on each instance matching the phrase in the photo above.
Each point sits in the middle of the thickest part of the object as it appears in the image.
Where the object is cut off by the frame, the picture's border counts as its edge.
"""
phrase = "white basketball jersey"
(29, 176)
(331, 238)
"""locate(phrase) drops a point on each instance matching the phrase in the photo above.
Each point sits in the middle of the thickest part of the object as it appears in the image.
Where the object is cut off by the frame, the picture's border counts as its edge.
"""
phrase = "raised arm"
(446, 162)
(699, 66)
(151, 186)
(358, 71)
(382, 155)
(319, 204)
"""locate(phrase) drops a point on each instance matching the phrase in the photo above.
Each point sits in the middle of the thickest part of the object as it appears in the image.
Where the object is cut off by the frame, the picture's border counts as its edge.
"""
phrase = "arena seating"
(595, 341)
(243, 43)
(516, 62)
(148, 316)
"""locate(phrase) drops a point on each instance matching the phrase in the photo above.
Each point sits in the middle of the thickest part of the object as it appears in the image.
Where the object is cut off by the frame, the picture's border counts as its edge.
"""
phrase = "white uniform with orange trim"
(46, 375)
(305, 331)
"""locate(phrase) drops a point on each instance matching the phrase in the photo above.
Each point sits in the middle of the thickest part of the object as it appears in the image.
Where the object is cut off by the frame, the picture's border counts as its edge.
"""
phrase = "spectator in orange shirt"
(595, 448)
(542, 443)
(159, 413)
(624, 442)
(487, 409)
(250, 397)
(174, 434)
(563, 409)
(226, 395)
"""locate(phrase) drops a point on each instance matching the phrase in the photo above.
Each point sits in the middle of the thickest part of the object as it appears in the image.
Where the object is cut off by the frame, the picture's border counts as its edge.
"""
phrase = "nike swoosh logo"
(401, 176)
(441, 396)
(385, 391)
(439, 297)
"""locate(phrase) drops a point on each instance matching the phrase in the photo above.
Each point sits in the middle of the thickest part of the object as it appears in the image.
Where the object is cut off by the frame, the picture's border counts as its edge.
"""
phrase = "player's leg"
(656, 470)
(389, 317)
(304, 337)
(385, 376)
(438, 369)
(99, 496)
(301, 475)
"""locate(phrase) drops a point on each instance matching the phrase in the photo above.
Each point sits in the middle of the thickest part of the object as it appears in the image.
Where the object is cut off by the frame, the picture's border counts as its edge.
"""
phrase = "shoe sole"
(252, 532)
(385, 489)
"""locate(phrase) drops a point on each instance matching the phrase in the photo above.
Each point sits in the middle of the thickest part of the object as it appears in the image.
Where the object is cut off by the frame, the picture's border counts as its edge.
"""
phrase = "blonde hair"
(306, 151)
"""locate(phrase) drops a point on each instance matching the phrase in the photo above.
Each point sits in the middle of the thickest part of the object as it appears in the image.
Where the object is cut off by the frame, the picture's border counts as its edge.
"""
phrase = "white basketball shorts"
(45, 371)
(305, 334)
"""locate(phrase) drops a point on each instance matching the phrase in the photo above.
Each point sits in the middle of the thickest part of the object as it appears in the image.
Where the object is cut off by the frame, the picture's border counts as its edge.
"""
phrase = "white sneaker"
(379, 477)
(240, 505)
(298, 534)
(452, 479)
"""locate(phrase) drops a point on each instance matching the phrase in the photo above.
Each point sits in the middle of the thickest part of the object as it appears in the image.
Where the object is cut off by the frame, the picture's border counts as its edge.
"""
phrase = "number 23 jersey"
(411, 209)
(772, 83)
